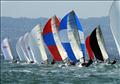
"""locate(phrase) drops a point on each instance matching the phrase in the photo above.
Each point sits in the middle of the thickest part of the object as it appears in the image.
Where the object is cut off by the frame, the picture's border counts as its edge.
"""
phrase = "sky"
(36, 9)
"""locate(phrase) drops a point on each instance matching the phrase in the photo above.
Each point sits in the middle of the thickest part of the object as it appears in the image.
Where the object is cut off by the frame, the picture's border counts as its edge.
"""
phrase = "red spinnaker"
(89, 50)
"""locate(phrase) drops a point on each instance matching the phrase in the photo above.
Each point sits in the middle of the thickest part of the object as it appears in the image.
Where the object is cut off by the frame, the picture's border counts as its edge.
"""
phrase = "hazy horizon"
(37, 9)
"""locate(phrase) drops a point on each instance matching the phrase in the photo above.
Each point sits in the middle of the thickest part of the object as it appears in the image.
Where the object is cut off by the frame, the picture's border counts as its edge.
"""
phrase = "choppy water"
(21, 73)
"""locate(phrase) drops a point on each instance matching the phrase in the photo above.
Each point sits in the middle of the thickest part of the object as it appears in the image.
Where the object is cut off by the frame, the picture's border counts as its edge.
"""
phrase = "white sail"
(19, 51)
(40, 42)
(27, 46)
(101, 43)
(22, 44)
(34, 49)
(60, 48)
(114, 16)
(5, 46)
(36, 34)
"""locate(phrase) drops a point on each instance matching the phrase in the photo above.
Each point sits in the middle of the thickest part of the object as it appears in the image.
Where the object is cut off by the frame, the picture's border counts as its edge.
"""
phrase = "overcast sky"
(35, 9)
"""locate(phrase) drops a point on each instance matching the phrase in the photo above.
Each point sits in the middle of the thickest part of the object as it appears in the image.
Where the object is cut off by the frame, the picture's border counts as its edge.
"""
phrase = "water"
(22, 73)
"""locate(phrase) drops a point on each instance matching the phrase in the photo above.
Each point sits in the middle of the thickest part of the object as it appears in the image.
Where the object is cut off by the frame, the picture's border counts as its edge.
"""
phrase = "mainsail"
(6, 50)
(72, 37)
(51, 38)
(114, 16)
(89, 50)
(37, 45)
(97, 44)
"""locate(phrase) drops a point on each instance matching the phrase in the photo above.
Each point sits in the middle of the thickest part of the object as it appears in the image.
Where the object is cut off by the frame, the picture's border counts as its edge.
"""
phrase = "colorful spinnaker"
(89, 50)
(98, 45)
(72, 37)
(114, 16)
(51, 38)
(5, 46)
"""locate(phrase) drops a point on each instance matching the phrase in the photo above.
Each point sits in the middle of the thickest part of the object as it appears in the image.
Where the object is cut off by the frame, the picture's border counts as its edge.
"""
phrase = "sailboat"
(22, 45)
(114, 15)
(27, 46)
(20, 52)
(97, 44)
(5, 46)
(37, 45)
(72, 37)
(51, 38)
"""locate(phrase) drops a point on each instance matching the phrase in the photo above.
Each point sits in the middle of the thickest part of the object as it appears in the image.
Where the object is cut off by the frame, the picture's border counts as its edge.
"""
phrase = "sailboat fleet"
(65, 41)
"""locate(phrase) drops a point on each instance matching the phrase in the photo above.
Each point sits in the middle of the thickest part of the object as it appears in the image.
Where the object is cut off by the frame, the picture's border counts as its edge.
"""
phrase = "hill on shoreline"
(16, 27)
